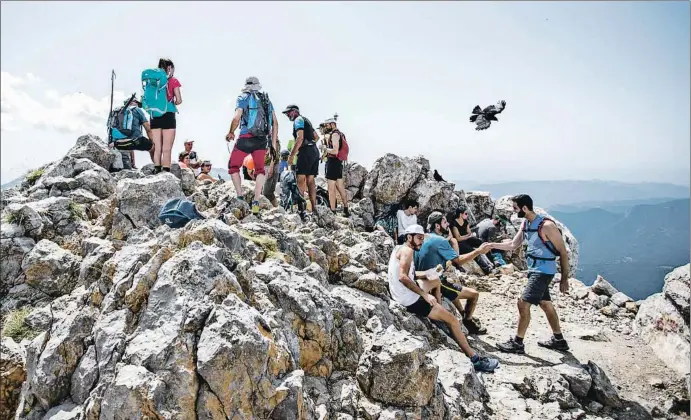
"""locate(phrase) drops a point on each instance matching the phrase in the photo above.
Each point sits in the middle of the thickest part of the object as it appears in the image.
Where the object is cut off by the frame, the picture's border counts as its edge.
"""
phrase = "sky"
(594, 90)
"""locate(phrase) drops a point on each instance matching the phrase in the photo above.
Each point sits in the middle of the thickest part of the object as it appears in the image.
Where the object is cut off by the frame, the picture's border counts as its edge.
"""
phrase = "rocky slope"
(247, 317)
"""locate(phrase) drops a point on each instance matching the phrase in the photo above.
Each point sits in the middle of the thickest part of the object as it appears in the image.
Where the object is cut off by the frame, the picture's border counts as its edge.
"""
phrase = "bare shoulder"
(405, 253)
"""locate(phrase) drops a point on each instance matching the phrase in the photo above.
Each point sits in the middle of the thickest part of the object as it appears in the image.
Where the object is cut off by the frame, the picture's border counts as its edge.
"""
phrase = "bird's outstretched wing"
(482, 123)
(476, 110)
(495, 109)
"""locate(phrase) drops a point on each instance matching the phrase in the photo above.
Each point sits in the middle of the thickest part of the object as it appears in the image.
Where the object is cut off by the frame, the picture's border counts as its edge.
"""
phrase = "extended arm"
(509, 246)
(482, 249)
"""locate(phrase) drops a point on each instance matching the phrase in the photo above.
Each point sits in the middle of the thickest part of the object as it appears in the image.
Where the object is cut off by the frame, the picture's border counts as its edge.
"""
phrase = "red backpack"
(343, 148)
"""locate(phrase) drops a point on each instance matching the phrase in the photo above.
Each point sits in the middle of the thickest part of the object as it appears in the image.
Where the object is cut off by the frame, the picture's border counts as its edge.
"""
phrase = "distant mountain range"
(547, 194)
(633, 249)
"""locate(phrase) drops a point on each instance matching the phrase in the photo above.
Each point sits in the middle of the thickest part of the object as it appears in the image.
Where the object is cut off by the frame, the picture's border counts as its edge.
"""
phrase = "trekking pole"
(110, 113)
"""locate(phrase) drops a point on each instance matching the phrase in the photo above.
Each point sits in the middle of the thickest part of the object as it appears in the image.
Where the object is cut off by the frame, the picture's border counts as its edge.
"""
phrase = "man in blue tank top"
(545, 245)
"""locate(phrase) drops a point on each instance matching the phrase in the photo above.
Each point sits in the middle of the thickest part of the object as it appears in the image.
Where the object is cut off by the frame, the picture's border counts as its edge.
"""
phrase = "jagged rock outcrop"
(243, 316)
(663, 320)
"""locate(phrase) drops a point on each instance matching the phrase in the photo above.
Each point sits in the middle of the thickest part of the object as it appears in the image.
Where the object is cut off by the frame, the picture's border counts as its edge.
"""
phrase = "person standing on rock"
(307, 166)
(255, 115)
(545, 244)
(438, 251)
(163, 127)
(405, 290)
(334, 165)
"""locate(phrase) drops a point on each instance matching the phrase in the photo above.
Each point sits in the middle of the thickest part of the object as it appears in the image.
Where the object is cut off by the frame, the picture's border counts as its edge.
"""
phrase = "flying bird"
(438, 177)
(483, 117)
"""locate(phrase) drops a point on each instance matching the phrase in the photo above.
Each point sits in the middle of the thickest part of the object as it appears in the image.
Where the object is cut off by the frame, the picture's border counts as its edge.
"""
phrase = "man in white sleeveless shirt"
(405, 290)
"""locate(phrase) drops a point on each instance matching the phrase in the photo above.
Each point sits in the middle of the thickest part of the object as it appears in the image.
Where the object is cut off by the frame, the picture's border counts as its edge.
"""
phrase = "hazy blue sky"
(593, 89)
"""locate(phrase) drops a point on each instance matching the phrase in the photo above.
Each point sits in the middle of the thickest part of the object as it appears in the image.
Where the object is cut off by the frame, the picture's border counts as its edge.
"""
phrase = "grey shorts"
(537, 288)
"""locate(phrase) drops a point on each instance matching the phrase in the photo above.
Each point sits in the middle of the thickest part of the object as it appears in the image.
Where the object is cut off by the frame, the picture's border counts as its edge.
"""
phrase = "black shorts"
(537, 288)
(334, 169)
(422, 308)
(164, 122)
(140, 143)
(308, 161)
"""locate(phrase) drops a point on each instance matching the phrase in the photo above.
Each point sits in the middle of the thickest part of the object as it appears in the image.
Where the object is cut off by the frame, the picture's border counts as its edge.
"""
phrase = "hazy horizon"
(599, 88)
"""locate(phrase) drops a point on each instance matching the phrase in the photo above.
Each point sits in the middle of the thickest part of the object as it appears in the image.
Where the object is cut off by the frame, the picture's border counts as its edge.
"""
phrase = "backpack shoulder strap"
(549, 246)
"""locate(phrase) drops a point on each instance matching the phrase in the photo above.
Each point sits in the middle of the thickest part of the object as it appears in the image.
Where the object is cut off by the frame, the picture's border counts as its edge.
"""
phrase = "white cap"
(330, 121)
(414, 230)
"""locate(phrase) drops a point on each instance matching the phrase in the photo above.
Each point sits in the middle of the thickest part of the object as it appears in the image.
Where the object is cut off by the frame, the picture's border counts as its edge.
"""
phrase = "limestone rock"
(12, 375)
(93, 148)
(547, 385)
(390, 179)
(578, 378)
(603, 287)
(354, 176)
(51, 269)
(396, 370)
(602, 389)
(620, 299)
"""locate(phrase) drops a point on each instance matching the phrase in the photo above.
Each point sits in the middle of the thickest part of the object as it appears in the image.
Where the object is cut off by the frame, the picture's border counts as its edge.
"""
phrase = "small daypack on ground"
(120, 121)
(177, 212)
(549, 246)
(154, 97)
(258, 118)
(343, 147)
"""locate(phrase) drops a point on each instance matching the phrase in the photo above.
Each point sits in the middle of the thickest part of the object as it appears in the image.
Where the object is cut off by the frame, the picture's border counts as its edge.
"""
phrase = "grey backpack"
(259, 116)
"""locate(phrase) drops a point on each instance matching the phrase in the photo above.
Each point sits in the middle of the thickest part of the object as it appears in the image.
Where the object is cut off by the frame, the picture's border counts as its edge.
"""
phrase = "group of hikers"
(256, 148)
(419, 260)
(417, 265)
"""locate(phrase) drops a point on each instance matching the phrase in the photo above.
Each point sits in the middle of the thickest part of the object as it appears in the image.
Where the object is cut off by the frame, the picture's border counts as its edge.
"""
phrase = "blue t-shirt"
(138, 118)
(249, 104)
(434, 251)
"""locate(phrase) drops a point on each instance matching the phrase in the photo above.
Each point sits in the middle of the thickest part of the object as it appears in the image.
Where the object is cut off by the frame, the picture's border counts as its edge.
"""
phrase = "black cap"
(291, 107)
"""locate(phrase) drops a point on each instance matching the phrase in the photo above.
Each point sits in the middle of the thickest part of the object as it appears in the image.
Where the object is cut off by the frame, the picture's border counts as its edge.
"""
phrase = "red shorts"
(237, 156)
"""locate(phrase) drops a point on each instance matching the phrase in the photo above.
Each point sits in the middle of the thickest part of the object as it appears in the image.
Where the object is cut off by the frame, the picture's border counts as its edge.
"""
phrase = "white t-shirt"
(404, 220)
(399, 292)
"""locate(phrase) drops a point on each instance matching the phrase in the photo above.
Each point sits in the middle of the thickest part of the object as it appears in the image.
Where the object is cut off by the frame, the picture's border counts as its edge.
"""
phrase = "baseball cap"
(414, 230)
(189, 141)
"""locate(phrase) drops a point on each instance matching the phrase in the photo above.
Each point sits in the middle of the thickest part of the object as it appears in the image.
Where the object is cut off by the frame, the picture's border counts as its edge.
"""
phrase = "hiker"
(283, 164)
(545, 244)
(248, 168)
(307, 165)
(405, 290)
(293, 162)
(291, 195)
(334, 165)
(184, 160)
(466, 240)
(194, 160)
(271, 162)
(388, 223)
(205, 172)
(255, 115)
(406, 216)
(438, 251)
(488, 230)
(128, 140)
(163, 126)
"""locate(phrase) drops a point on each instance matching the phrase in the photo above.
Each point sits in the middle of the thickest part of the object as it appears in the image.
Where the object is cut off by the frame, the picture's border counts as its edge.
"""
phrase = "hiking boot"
(554, 344)
(346, 213)
(511, 346)
(486, 364)
(255, 207)
(474, 327)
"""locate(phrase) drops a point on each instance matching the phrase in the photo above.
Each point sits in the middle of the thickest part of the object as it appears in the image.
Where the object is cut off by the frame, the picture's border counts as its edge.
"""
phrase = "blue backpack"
(258, 115)
(154, 98)
(120, 122)
(177, 212)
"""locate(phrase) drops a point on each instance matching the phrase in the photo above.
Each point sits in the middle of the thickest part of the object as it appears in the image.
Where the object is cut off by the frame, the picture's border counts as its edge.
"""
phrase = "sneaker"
(474, 327)
(511, 346)
(486, 364)
(554, 344)
(255, 207)
(346, 213)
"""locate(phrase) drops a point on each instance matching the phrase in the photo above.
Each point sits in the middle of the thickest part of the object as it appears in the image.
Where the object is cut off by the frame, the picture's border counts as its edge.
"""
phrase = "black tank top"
(307, 135)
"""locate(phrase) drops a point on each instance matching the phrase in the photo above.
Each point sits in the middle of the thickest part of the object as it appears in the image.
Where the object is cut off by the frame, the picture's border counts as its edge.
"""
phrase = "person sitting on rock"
(206, 172)
(466, 240)
(388, 223)
(545, 244)
(135, 141)
(407, 216)
(195, 163)
(404, 290)
(489, 230)
(438, 251)
(184, 160)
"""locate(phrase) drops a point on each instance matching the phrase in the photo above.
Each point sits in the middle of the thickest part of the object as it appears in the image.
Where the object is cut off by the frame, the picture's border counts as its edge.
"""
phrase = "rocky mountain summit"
(110, 315)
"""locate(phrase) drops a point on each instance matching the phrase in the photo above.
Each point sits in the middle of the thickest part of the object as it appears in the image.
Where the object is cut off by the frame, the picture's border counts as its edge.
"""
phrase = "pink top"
(172, 84)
